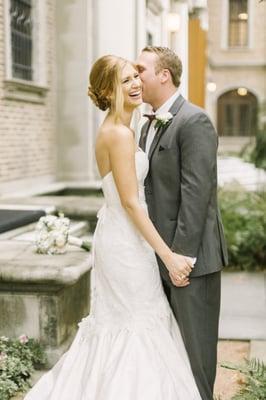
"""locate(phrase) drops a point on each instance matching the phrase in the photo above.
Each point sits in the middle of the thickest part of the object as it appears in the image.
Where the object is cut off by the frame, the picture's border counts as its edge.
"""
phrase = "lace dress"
(130, 346)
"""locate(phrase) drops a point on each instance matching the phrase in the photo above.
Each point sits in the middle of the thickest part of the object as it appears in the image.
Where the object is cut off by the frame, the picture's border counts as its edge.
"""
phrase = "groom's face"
(146, 65)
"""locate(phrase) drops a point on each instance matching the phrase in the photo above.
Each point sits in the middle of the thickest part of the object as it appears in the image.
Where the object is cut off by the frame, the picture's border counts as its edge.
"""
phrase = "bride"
(130, 346)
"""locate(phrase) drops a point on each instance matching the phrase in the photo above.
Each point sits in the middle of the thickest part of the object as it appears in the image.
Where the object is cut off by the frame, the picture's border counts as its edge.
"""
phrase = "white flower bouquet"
(52, 235)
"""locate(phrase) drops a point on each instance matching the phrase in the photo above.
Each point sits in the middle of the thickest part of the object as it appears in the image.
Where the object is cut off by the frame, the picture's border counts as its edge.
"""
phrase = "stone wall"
(217, 33)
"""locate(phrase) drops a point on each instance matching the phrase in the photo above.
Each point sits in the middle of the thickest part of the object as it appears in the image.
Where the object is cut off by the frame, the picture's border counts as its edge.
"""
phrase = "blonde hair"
(105, 89)
(167, 59)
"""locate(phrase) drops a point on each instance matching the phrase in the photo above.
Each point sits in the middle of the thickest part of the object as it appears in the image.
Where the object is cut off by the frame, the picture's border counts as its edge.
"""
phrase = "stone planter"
(43, 296)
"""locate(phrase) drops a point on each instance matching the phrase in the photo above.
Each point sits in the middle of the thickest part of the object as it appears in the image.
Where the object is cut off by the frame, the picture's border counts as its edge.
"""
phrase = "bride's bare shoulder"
(116, 134)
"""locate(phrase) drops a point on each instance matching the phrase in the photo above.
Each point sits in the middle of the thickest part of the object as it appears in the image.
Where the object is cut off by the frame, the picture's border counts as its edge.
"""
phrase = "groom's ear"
(165, 75)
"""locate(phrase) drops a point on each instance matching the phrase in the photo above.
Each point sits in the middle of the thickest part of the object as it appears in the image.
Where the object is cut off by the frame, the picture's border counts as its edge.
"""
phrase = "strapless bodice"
(109, 187)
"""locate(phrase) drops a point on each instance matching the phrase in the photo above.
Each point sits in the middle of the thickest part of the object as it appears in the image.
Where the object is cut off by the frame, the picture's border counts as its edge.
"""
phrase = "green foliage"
(255, 373)
(258, 155)
(244, 219)
(18, 358)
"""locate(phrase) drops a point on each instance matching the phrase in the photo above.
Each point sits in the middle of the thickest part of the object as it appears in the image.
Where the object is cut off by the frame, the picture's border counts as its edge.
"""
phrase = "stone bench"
(43, 296)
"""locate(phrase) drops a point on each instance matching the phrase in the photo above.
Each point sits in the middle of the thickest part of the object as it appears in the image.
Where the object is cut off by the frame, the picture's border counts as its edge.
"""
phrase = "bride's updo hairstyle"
(105, 89)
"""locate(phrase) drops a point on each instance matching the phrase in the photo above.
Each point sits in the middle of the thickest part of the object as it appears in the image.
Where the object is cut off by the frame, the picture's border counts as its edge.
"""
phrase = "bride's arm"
(122, 158)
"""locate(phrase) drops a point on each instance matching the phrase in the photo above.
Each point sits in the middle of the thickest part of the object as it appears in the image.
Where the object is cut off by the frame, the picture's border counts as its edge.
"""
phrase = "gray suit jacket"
(181, 187)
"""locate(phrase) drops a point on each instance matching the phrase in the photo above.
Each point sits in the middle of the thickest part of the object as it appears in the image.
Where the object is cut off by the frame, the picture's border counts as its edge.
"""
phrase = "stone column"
(118, 28)
(74, 121)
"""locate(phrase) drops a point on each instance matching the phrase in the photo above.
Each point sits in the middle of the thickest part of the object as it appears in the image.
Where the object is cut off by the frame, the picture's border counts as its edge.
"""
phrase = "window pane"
(245, 119)
(21, 38)
(238, 23)
(228, 120)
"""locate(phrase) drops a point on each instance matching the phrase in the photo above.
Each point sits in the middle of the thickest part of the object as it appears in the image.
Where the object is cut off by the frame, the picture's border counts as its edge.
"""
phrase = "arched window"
(237, 113)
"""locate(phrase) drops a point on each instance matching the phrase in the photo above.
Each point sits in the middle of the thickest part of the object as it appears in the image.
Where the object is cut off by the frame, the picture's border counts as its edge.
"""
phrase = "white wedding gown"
(129, 347)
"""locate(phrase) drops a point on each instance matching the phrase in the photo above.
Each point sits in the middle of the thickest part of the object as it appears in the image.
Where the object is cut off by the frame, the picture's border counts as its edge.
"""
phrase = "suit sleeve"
(198, 148)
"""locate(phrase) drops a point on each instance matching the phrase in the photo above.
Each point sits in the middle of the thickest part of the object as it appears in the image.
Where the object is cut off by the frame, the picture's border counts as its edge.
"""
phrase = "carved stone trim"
(20, 90)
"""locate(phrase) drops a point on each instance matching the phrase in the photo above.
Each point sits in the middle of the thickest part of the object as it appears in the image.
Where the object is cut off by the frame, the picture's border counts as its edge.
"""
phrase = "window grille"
(238, 23)
(21, 38)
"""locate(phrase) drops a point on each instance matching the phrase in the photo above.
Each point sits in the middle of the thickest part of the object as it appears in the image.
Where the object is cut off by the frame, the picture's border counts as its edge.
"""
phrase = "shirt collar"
(165, 107)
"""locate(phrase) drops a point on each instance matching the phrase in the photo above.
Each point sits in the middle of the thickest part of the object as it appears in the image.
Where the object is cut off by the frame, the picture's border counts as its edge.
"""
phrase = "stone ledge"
(26, 91)
(43, 296)
(19, 264)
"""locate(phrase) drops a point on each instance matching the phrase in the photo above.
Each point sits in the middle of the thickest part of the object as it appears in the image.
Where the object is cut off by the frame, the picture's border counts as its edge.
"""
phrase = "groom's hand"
(178, 282)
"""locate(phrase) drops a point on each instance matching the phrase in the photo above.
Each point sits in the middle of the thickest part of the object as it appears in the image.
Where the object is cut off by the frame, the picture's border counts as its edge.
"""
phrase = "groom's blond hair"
(167, 59)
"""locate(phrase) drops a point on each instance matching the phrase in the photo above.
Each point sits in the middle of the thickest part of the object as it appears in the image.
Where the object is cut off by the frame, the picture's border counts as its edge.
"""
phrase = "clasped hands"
(179, 269)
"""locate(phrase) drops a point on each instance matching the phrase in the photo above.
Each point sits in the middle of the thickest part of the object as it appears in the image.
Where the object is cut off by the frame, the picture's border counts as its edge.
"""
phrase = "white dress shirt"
(165, 107)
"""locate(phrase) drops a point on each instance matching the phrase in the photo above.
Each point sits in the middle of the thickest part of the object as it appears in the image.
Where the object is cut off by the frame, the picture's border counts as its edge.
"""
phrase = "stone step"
(74, 207)
(23, 207)
(233, 171)
(243, 316)
(27, 232)
(258, 350)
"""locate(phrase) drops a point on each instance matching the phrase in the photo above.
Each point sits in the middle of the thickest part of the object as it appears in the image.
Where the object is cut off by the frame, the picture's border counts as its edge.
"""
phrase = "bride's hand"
(179, 267)
(178, 282)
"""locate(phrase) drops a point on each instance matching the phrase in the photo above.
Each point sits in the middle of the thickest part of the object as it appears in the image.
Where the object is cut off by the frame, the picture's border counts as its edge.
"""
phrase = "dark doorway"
(237, 113)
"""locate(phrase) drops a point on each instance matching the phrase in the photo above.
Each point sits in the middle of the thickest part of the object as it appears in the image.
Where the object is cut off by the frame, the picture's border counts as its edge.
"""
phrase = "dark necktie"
(150, 117)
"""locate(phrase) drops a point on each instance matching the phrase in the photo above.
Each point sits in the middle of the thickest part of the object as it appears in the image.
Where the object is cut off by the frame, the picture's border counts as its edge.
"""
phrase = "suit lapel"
(158, 134)
(162, 129)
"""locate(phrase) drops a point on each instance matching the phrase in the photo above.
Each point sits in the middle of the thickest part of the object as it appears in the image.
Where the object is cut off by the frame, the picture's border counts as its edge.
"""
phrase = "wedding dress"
(130, 346)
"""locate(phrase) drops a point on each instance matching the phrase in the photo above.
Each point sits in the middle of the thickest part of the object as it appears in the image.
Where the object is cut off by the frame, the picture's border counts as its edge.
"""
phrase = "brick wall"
(27, 129)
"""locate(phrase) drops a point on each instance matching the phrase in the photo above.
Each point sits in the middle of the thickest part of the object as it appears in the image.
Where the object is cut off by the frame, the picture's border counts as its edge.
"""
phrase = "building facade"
(47, 123)
(236, 83)
(27, 93)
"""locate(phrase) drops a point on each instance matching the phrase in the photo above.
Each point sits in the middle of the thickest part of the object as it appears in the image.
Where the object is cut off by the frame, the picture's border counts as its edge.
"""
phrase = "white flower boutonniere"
(163, 119)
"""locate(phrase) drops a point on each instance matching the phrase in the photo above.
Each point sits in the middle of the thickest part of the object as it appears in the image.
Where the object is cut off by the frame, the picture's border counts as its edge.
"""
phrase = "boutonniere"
(163, 119)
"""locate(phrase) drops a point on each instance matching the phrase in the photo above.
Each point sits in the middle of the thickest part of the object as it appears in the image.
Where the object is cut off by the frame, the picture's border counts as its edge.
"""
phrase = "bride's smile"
(131, 87)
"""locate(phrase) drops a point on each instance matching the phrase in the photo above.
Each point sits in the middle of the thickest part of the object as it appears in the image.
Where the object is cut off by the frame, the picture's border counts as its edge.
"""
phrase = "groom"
(181, 192)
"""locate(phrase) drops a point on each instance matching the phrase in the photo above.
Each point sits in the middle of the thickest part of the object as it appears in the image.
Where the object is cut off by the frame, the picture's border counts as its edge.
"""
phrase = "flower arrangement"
(52, 235)
(18, 359)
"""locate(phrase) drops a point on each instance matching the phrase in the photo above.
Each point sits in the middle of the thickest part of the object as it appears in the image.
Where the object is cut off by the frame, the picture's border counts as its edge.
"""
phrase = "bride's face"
(131, 86)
